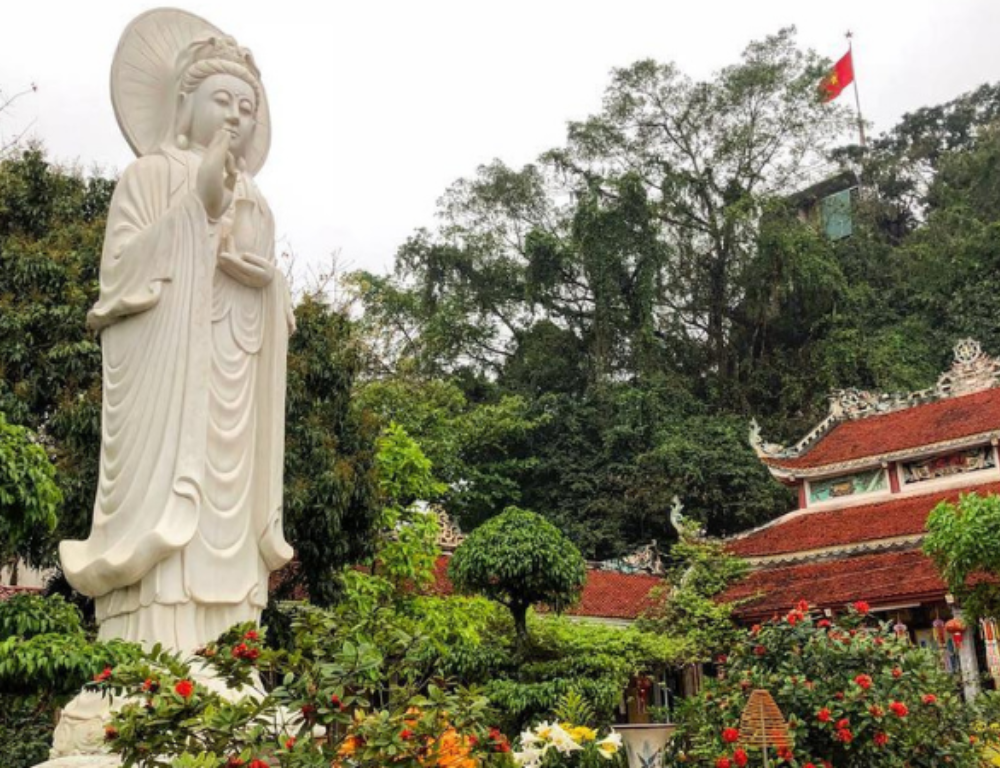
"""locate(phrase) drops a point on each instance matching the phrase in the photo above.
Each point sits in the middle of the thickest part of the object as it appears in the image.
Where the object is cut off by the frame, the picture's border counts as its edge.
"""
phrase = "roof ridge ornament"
(971, 371)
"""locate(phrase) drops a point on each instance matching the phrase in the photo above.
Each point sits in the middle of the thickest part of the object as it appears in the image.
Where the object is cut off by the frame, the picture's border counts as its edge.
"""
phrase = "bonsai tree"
(519, 559)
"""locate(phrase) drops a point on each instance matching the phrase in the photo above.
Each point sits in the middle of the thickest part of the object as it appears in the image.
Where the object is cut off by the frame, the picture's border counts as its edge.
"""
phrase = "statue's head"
(218, 87)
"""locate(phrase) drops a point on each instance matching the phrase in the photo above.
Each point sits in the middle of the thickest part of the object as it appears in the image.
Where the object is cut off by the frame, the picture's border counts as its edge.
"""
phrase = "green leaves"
(963, 541)
(29, 496)
(519, 559)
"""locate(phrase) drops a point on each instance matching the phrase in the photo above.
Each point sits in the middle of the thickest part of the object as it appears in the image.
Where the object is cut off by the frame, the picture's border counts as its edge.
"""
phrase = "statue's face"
(223, 101)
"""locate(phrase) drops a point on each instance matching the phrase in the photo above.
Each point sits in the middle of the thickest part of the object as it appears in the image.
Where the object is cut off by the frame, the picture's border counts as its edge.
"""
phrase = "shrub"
(854, 695)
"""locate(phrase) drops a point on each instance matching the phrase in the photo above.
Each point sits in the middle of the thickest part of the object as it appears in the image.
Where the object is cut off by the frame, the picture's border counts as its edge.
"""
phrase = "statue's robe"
(187, 520)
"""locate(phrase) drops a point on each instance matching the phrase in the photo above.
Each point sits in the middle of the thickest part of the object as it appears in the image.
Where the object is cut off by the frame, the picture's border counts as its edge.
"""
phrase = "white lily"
(608, 746)
(562, 741)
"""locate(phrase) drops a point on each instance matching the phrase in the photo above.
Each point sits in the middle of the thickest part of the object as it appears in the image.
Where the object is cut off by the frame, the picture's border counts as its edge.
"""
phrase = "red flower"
(723, 762)
(729, 735)
(760, 650)
(839, 695)
(150, 685)
(809, 765)
(184, 688)
(406, 734)
(102, 676)
(802, 606)
(258, 764)
(864, 681)
(843, 724)
(862, 607)
(823, 715)
(793, 618)
(881, 739)
(740, 757)
(785, 753)
(502, 747)
(823, 623)
(897, 672)
(290, 742)
(845, 736)
(308, 711)
(755, 629)
(495, 734)
(929, 698)
(235, 761)
(899, 709)
(251, 635)
(473, 741)
(110, 732)
(876, 711)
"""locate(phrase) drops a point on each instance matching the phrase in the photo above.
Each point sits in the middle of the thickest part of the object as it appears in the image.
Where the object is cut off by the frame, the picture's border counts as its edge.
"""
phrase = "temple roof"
(863, 428)
(803, 534)
(881, 579)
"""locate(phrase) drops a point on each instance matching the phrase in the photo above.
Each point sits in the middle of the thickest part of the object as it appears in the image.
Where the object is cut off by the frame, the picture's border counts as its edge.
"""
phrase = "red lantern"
(956, 628)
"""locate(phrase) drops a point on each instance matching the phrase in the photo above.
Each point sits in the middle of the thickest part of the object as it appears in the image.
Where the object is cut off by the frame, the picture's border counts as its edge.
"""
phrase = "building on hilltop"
(867, 477)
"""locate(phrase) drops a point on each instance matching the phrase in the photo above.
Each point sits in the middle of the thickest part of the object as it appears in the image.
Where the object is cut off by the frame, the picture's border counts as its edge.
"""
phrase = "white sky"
(378, 106)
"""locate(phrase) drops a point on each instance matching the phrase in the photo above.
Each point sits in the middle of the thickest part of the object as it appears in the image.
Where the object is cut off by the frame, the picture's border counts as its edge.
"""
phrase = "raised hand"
(217, 176)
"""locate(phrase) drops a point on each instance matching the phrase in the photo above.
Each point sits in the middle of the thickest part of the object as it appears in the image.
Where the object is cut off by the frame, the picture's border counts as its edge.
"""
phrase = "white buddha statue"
(194, 320)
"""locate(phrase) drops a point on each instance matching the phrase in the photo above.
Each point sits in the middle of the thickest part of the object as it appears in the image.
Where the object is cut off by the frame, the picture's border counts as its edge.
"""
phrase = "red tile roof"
(886, 578)
(913, 427)
(902, 516)
(606, 594)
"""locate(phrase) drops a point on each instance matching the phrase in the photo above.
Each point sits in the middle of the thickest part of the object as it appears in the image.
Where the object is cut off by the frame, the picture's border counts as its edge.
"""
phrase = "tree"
(51, 231)
(331, 487)
(519, 559)
(963, 540)
(29, 498)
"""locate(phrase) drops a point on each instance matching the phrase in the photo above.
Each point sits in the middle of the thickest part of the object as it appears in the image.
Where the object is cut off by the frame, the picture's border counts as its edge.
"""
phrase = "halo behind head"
(145, 79)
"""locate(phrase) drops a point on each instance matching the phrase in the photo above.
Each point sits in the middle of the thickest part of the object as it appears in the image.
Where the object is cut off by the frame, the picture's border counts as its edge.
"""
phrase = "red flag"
(841, 76)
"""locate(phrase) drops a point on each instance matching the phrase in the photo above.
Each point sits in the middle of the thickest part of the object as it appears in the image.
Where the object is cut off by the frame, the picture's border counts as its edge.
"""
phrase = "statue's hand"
(247, 268)
(217, 176)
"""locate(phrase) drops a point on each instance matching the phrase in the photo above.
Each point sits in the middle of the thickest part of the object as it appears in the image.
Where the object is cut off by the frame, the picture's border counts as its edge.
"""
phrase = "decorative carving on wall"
(450, 535)
(847, 485)
(644, 560)
(957, 463)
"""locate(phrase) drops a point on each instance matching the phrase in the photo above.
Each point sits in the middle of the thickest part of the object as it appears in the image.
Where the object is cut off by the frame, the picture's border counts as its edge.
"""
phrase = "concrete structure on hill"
(867, 476)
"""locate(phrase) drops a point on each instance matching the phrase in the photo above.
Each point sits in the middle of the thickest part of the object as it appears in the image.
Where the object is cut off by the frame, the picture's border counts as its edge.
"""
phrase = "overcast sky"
(378, 106)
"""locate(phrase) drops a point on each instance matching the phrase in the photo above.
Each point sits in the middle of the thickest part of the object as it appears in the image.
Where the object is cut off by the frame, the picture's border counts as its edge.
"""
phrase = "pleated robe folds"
(187, 520)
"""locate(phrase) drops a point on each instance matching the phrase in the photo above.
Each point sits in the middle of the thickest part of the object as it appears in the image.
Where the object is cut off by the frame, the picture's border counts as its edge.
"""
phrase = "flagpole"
(857, 98)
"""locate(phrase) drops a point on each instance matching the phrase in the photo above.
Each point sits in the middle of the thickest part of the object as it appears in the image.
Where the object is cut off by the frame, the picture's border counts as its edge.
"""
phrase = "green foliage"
(519, 559)
(687, 606)
(962, 540)
(369, 701)
(29, 496)
(51, 230)
(45, 658)
(473, 447)
(852, 692)
(331, 493)
(407, 535)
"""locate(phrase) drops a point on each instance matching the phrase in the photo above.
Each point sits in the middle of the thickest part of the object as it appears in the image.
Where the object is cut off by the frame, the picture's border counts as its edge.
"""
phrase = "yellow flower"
(581, 733)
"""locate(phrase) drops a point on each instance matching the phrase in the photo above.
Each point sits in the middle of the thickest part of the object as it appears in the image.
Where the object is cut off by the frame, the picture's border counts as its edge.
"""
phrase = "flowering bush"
(854, 695)
(564, 744)
(337, 703)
